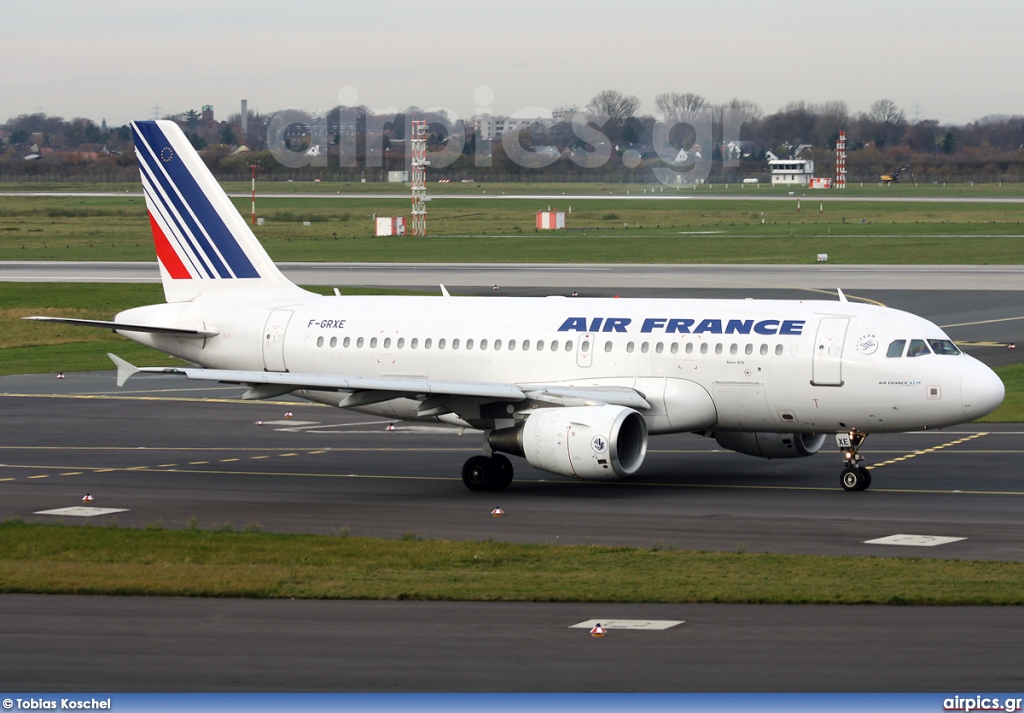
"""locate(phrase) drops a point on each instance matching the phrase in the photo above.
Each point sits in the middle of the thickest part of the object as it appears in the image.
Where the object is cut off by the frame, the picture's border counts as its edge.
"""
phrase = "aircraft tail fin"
(204, 246)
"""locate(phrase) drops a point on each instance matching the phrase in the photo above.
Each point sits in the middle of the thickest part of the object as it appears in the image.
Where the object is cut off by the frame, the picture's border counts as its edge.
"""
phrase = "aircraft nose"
(981, 391)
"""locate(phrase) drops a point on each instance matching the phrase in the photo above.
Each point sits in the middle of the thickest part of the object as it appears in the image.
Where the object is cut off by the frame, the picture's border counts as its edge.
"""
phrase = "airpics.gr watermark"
(592, 148)
(982, 703)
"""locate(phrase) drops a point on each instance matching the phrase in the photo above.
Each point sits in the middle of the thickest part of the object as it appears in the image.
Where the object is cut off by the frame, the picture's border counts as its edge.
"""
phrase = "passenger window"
(645, 347)
(497, 345)
(526, 345)
(334, 342)
(689, 347)
(704, 348)
(896, 349)
(540, 345)
(607, 346)
(554, 346)
(568, 345)
(718, 349)
(483, 345)
(373, 343)
(319, 341)
(441, 343)
(511, 345)
(917, 348)
(659, 347)
(401, 342)
(347, 343)
(455, 344)
(469, 344)
(674, 348)
(585, 347)
(415, 343)
(359, 343)
(387, 342)
(943, 347)
(629, 347)
(734, 348)
(427, 343)
(749, 349)
(764, 350)
(778, 350)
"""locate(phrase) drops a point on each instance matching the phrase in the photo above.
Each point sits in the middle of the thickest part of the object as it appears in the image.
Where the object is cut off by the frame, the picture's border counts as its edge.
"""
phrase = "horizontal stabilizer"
(122, 327)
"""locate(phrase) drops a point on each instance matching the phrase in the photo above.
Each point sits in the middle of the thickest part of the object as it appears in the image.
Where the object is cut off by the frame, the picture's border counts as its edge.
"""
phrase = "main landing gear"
(483, 473)
(854, 476)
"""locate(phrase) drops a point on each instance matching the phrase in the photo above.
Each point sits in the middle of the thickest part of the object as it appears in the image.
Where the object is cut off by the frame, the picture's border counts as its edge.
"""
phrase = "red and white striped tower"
(418, 148)
(840, 181)
(253, 167)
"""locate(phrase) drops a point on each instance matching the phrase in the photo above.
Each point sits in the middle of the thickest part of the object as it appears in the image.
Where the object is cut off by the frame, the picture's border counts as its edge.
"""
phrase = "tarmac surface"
(165, 450)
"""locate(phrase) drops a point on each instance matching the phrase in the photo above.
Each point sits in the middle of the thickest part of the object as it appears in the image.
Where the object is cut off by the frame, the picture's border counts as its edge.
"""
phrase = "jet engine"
(771, 445)
(586, 442)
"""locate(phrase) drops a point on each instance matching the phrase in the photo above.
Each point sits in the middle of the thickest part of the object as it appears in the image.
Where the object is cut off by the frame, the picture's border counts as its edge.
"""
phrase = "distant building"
(207, 113)
(790, 171)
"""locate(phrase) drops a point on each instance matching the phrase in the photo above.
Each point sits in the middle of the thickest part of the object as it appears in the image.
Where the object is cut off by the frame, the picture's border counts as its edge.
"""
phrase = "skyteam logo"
(600, 445)
(192, 234)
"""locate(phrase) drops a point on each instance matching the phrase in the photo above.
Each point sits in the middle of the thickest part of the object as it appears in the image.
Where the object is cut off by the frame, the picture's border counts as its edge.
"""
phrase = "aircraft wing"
(364, 390)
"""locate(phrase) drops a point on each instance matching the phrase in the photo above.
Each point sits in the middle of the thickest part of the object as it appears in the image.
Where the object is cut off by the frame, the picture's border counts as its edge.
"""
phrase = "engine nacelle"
(586, 442)
(771, 445)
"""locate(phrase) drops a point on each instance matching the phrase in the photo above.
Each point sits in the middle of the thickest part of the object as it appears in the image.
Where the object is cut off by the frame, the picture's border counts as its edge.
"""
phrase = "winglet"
(125, 370)
(842, 297)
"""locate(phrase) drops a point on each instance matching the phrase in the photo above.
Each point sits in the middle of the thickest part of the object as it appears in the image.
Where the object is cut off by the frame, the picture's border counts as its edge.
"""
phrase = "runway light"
(391, 427)
(287, 414)
(87, 499)
(260, 422)
(497, 512)
(598, 630)
(60, 375)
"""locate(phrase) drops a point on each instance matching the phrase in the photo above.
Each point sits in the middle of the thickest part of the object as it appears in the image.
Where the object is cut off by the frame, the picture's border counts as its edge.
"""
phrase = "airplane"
(576, 386)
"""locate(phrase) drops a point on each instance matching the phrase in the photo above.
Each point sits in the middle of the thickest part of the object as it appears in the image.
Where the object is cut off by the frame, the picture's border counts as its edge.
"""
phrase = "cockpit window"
(917, 348)
(896, 349)
(943, 347)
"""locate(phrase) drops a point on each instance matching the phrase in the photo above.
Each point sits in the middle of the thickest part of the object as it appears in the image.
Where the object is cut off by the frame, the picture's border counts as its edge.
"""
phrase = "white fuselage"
(760, 365)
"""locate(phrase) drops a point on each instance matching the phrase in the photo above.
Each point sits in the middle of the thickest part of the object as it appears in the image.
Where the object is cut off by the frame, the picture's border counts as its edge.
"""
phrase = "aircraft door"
(585, 350)
(827, 367)
(273, 340)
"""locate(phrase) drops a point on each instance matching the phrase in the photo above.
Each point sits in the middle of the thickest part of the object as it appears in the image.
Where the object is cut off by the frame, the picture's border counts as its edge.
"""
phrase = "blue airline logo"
(686, 325)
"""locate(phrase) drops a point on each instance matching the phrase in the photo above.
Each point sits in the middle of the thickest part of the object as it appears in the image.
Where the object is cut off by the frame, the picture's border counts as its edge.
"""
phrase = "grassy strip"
(612, 230)
(56, 559)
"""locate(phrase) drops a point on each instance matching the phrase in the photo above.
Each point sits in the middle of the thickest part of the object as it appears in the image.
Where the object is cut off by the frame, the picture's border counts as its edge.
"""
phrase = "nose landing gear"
(854, 476)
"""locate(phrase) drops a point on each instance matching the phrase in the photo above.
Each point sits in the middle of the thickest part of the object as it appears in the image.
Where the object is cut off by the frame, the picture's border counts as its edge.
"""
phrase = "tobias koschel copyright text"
(57, 704)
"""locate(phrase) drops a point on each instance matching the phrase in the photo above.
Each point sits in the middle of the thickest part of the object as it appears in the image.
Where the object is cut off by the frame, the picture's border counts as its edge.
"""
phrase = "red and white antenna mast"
(418, 148)
(840, 181)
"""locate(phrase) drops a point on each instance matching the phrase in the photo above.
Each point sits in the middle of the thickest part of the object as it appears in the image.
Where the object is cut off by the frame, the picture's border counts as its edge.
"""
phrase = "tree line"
(736, 136)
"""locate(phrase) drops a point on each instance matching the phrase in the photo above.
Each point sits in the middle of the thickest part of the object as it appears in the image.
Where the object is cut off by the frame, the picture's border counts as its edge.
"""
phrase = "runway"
(165, 451)
(561, 279)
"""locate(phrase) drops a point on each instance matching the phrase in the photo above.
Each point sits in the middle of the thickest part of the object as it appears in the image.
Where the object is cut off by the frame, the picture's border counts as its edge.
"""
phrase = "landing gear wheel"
(479, 473)
(505, 471)
(854, 478)
(867, 476)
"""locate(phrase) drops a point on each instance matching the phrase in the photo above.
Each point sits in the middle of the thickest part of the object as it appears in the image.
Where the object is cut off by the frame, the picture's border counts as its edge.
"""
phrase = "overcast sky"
(941, 59)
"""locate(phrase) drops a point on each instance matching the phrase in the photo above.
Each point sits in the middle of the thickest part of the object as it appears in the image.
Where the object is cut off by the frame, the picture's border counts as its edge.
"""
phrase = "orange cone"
(598, 630)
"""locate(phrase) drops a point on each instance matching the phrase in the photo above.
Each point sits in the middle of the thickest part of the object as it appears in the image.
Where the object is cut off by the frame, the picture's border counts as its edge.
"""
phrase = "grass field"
(614, 231)
(55, 559)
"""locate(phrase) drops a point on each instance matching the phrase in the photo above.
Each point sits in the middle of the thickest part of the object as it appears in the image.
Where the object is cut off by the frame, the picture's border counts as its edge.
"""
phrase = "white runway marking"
(632, 624)
(81, 511)
(914, 540)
